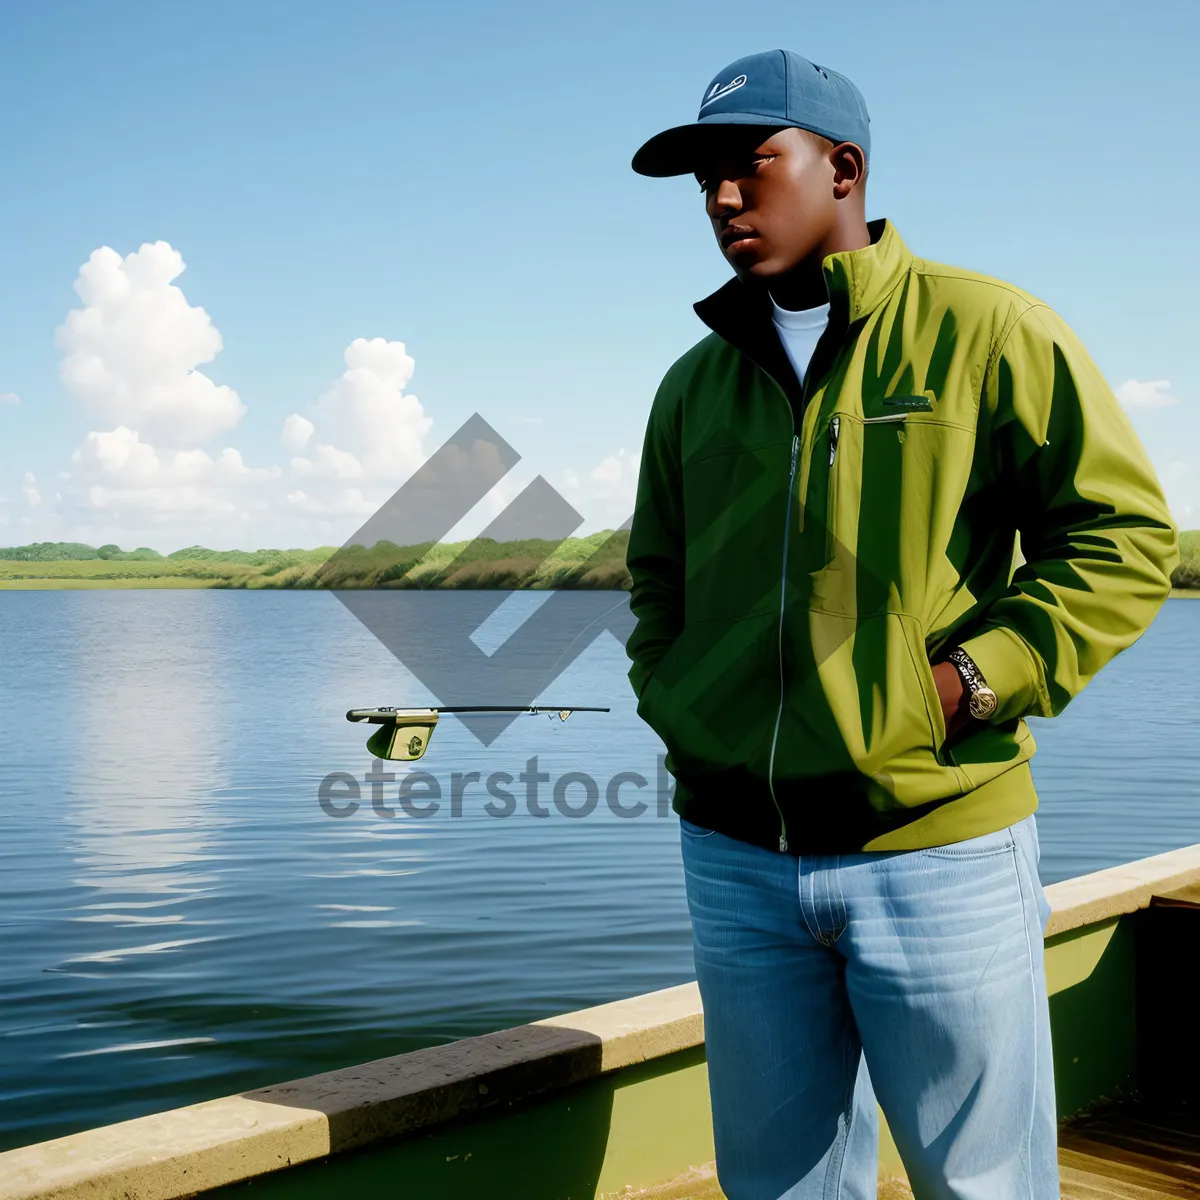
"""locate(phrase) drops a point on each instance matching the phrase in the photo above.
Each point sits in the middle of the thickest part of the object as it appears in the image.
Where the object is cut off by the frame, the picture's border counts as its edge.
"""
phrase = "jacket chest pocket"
(892, 489)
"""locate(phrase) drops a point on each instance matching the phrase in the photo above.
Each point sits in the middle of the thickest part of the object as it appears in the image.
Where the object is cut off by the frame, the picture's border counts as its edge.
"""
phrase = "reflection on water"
(121, 1049)
(175, 904)
(141, 813)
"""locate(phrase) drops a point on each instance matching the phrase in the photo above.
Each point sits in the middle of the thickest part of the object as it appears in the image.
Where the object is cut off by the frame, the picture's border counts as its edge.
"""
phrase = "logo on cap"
(717, 91)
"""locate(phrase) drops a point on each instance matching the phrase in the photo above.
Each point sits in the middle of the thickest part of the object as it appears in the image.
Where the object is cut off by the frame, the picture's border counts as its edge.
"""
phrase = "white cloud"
(361, 439)
(348, 504)
(368, 414)
(29, 490)
(296, 432)
(131, 352)
(118, 472)
(7, 399)
(615, 470)
(365, 430)
(120, 452)
(605, 494)
(328, 462)
(1142, 394)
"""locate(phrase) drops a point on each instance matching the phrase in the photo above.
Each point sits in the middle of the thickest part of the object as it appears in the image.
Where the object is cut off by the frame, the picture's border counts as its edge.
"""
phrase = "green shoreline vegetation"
(596, 561)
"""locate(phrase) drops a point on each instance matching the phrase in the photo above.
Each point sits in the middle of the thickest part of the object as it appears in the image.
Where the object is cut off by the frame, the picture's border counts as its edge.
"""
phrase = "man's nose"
(724, 199)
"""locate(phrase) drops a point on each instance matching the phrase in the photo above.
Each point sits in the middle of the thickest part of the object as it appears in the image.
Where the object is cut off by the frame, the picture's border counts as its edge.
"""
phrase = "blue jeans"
(924, 966)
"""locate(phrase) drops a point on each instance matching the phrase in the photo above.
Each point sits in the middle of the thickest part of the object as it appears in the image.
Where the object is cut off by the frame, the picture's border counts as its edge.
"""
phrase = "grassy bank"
(1187, 574)
(597, 561)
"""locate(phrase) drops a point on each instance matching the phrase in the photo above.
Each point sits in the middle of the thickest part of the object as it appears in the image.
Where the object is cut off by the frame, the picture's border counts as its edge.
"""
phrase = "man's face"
(770, 198)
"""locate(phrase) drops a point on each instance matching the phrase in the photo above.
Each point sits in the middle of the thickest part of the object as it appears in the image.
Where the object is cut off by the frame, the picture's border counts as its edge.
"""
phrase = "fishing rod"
(405, 732)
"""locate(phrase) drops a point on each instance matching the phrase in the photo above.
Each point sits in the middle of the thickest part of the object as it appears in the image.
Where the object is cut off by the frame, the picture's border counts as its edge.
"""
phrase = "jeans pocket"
(694, 831)
(986, 845)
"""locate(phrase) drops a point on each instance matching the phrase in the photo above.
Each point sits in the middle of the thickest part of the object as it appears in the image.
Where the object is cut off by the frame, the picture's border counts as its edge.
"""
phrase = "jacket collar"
(858, 281)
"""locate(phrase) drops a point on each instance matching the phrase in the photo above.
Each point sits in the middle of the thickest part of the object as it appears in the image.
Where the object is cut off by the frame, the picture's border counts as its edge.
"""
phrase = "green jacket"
(799, 556)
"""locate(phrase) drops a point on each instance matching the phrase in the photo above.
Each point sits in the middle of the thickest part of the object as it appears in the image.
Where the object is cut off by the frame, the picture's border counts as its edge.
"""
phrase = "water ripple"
(188, 804)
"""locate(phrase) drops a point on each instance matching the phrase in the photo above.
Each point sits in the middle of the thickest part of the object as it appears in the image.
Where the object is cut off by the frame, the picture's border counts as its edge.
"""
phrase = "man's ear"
(849, 168)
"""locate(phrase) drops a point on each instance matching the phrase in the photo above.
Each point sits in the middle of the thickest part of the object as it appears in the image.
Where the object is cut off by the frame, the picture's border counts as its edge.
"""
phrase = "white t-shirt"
(800, 329)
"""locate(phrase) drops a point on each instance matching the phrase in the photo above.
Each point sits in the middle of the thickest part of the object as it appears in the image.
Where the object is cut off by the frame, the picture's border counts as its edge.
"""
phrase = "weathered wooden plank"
(1081, 1184)
(1143, 1139)
(1131, 1153)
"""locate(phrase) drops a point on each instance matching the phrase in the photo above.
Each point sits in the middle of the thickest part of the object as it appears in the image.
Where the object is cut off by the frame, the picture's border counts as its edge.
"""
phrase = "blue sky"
(455, 177)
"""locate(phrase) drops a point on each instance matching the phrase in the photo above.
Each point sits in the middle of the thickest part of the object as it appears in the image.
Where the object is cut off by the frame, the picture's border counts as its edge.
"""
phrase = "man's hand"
(953, 696)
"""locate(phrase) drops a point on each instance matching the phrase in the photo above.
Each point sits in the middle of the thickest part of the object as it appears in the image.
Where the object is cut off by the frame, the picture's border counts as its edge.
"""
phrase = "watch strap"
(982, 703)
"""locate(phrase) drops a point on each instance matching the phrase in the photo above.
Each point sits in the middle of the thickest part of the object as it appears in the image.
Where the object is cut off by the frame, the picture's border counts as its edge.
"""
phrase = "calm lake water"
(179, 919)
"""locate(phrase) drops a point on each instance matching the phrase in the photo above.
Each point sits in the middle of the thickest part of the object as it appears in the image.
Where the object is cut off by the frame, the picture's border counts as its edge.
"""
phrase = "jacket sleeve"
(1096, 534)
(656, 555)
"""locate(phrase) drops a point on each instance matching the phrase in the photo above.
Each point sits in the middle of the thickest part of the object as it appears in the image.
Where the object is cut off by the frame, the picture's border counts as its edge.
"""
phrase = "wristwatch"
(982, 699)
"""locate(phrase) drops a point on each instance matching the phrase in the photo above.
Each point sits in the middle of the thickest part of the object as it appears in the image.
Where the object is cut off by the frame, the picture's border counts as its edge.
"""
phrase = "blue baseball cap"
(777, 88)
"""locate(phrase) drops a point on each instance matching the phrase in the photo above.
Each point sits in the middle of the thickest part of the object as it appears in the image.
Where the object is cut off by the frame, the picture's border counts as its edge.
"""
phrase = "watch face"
(983, 704)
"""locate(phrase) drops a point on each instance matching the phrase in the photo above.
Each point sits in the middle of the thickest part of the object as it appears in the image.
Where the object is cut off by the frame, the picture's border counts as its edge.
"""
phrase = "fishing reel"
(404, 733)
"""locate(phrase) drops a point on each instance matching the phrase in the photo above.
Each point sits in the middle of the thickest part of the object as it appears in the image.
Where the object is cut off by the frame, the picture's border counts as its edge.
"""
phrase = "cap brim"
(677, 151)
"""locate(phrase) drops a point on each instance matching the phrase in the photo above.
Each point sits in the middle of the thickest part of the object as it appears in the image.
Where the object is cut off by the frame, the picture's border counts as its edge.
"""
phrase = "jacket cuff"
(1009, 667)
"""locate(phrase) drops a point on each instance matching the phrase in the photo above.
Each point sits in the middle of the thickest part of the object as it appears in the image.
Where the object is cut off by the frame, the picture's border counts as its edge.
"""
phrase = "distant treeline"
(597, 561)
(80, 552)
(72, 552)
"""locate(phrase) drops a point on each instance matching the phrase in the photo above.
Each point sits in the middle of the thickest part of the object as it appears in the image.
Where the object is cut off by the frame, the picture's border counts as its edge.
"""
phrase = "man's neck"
(804, 285)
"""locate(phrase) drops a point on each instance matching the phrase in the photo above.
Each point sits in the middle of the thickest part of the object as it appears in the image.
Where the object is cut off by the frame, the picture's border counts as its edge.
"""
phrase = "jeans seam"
(1033, 1092)
(800, 896)
(837, 1160)
(841, 920)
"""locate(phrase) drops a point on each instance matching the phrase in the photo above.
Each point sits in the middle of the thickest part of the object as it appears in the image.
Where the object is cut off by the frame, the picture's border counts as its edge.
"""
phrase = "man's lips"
(735, 235)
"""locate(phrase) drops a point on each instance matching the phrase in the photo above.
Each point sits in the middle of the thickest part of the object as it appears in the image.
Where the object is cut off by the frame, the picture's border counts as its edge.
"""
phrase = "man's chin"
(758, 270)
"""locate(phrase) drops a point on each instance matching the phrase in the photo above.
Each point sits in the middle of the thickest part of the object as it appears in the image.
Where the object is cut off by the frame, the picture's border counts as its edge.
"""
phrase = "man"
(838, 637)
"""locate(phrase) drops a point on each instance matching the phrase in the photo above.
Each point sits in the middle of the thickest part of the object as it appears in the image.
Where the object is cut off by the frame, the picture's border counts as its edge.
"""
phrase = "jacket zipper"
(787, 521)
(835, 427)
(805, 395)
